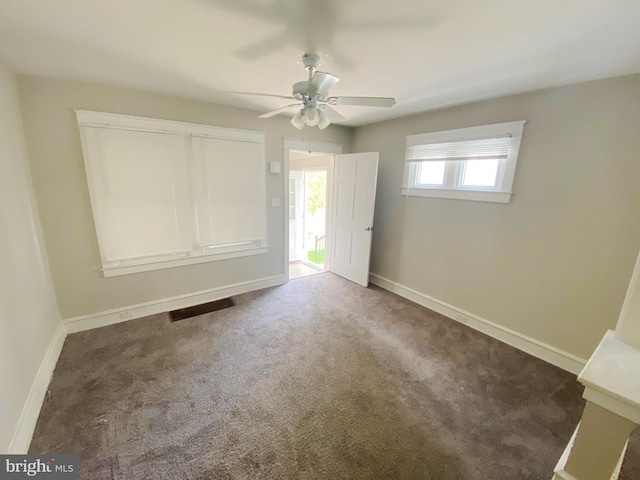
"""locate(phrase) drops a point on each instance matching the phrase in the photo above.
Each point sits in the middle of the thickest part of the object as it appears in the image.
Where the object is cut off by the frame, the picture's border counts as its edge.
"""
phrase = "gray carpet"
(316, 379)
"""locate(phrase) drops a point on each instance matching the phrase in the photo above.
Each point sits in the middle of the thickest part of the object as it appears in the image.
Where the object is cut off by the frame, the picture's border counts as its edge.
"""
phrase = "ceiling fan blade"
(363, 101)
(333, 115)
(279, 110)
(321, 82)
(260, 95)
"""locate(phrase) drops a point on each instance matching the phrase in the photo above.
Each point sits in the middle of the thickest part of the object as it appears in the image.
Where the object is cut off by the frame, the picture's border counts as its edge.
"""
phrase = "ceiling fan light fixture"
(298, 119)
(323, 121)
(312, 116)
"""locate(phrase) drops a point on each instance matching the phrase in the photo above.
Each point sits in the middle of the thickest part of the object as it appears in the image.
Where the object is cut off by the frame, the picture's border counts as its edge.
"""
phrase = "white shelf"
(612, 377)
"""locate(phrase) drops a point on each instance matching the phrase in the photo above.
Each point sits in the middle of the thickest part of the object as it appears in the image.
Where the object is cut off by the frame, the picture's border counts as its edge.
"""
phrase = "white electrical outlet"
(126, 314)
(275, 202)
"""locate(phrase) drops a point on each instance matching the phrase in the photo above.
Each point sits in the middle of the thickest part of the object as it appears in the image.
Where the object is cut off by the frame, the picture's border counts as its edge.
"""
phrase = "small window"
(476, 163)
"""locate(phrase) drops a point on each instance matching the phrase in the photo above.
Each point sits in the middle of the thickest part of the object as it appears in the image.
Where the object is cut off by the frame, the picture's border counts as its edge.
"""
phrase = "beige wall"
(554, 264)
(28, 311)
(63, 198)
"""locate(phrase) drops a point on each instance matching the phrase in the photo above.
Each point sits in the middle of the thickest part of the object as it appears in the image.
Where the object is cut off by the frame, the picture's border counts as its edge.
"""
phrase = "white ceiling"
(426, 54)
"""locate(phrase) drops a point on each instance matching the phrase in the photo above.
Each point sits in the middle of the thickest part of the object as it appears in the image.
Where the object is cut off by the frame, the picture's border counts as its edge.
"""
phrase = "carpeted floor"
(315, 379)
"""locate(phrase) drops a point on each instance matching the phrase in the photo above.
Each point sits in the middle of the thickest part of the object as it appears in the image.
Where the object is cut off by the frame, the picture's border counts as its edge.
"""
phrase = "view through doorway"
(308, 212)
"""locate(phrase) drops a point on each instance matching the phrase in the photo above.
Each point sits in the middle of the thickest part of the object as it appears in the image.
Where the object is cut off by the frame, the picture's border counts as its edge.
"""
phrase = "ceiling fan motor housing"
(301, 92)
(300, 89)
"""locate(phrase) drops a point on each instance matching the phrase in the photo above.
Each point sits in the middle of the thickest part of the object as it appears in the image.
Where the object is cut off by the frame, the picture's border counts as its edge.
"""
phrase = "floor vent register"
(196, 310)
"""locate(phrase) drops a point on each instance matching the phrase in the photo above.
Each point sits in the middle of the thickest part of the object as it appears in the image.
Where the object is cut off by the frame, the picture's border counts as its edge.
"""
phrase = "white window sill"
(475, 195)
(114, 271)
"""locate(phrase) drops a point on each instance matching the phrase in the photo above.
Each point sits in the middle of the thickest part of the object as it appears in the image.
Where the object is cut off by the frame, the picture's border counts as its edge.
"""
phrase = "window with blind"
(476, 163)
(167, 193)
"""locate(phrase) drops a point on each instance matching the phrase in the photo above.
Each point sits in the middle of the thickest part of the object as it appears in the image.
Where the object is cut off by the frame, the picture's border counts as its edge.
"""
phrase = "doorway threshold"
(300, 269)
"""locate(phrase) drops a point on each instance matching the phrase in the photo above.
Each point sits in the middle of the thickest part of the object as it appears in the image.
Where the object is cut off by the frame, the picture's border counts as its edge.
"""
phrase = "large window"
(168, 193)
(476, 163)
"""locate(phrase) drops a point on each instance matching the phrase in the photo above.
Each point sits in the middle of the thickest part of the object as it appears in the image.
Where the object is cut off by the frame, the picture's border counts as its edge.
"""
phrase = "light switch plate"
(274, 167)
(275, 202)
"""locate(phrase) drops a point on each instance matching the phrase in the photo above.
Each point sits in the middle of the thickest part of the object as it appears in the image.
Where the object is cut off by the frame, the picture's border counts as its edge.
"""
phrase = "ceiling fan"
(313, 100)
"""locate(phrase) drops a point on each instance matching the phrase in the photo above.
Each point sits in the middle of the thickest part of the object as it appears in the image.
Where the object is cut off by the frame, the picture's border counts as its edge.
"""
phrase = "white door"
(296, 223)
(354, 188)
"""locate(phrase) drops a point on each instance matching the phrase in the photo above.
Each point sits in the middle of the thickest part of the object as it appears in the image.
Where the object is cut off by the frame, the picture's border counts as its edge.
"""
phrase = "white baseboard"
(28, 418)
(118, 315)
(548, 353)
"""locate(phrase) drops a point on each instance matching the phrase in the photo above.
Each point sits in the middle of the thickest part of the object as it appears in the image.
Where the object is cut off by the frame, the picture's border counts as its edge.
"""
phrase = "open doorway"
(309, 178)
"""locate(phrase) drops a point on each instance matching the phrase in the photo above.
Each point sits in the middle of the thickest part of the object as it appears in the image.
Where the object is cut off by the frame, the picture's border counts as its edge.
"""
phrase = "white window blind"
(481, 149)
(170, 193)
(141, 193)
(230, 200)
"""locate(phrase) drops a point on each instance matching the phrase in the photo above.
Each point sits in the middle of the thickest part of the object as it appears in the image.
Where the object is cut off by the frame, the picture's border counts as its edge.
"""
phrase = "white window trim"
(138, 267)
(452, 188)
(86, 118)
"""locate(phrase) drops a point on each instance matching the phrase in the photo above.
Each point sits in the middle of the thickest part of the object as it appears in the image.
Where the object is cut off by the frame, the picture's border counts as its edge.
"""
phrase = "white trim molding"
(476, 195)
(559, 472)
(611, 385)
(148, 124)
(31, 411)
(612, 377)
(543, 351)
(179, 262)
(312, 146)
(118, 315)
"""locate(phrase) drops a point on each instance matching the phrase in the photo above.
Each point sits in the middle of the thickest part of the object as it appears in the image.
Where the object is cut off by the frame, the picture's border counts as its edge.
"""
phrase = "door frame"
(299, 181)
(311, 146)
